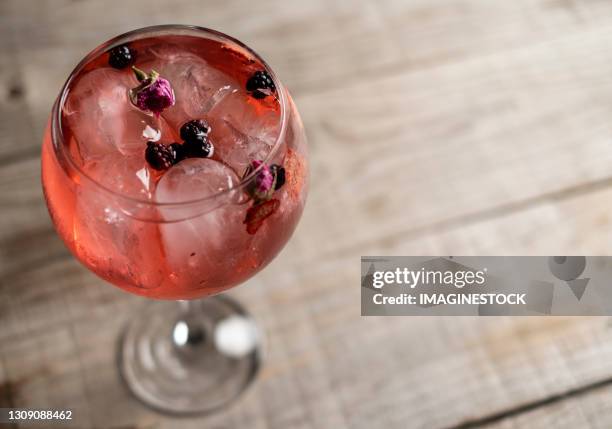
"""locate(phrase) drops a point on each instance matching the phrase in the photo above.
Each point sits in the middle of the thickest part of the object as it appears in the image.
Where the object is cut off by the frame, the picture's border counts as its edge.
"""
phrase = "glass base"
(190, 357)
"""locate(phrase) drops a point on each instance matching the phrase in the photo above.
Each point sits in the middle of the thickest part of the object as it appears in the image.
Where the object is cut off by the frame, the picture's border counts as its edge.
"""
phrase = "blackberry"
(159, 156)
(279, 172)
(120, 57)
(194, 129)
(178, 152)
(199, 148)
(260, 84)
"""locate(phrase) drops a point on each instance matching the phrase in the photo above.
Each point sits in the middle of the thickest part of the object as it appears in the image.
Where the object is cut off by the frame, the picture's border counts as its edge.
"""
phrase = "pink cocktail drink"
(174, 166)
(199, 226)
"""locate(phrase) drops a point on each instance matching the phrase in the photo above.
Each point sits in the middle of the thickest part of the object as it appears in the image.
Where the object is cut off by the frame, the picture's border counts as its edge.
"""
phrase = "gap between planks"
(531, 406)
(487, 214)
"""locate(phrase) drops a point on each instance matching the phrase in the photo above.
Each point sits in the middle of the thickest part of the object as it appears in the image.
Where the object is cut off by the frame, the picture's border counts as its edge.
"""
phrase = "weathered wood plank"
(324, 46)
(325, 364)
(399, 372)
(530, 131)
(592, 409)
(466, 370)
(479, 115)
(18, 136)
(41, 37)
(451, 142)
(344, 39)
(45, 369)
(26, 235)
(34, 303)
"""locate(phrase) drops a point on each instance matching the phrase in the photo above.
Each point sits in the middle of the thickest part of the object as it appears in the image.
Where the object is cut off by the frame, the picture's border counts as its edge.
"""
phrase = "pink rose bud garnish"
(262, 187)
(154, 94)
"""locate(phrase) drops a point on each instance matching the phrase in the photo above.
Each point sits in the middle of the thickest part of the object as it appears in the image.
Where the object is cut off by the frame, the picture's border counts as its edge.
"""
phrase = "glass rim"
(57, 136)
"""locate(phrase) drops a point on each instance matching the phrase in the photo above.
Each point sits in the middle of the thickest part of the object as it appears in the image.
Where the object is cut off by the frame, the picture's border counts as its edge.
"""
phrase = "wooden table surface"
(435, 127)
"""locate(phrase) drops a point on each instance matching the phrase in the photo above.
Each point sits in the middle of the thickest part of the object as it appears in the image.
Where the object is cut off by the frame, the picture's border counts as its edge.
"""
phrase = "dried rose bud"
(262, 186)
(154, 94)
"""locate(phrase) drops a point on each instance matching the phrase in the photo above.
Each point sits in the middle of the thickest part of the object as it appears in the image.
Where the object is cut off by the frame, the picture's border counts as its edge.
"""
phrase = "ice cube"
(194, 179)
(125, 175)
(251, 117)
(242, 129)
(234, 147)
(197, 86)
(203, 245)
(102, 118)
(124, 250)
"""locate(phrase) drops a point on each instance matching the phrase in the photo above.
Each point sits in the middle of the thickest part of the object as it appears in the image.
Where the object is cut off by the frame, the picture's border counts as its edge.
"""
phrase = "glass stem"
(190, 329)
